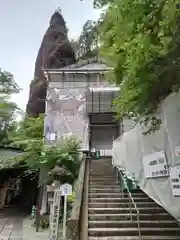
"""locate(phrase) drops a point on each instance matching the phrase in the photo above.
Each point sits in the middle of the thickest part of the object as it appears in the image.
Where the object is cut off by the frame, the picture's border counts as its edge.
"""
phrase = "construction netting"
(139, 154)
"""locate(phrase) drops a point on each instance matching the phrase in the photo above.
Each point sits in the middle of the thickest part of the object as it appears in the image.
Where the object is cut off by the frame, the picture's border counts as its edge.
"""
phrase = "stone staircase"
(109, 212)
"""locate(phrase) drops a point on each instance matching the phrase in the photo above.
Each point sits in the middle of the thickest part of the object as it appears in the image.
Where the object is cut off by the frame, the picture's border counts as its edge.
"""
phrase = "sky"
(22, 26)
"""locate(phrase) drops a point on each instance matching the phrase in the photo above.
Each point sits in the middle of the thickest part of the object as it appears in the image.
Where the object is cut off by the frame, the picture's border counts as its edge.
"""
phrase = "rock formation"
(55, 52)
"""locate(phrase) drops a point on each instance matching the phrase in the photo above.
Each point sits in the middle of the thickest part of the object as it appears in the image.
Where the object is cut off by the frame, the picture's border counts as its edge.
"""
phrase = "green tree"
(86, 45)
(7, 107)
(141, 41)
(29, 137)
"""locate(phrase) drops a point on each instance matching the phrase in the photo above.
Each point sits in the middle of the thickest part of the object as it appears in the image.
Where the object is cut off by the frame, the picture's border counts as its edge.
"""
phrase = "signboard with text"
(155, 165)
(175, 180)
(66, 189)
(54, 216)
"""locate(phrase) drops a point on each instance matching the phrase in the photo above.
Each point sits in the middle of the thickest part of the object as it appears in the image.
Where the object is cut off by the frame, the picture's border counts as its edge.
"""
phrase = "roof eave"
(84, 71)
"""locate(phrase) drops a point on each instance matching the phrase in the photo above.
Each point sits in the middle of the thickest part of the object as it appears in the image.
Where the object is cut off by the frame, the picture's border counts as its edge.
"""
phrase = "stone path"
(29, 232)
(10, 229)
(14, 226)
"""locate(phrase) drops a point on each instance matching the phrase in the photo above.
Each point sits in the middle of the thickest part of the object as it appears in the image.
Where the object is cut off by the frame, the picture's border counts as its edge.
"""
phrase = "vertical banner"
(175, 180)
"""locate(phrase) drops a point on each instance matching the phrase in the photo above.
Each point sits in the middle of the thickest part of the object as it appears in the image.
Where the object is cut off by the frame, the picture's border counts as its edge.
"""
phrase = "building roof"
(83, 66)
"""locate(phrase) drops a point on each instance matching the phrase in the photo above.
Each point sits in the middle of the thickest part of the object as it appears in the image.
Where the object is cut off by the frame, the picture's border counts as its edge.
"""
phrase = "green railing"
(126, 188)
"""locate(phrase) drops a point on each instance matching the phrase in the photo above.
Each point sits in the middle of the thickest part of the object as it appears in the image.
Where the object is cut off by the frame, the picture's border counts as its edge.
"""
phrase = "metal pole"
(138, 225)
(65, 218)
(38, 204)
(117, 177)
(130, 206)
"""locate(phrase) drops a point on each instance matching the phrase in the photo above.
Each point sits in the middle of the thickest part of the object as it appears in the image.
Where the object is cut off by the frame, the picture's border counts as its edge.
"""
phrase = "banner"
(175, 180)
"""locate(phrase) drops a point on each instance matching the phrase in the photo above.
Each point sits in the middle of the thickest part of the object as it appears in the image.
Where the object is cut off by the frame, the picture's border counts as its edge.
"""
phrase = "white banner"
(155, 165)
(175, 180)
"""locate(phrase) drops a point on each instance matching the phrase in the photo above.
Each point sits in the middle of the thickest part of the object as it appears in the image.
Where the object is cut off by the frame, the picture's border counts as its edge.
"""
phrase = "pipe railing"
(131, 200)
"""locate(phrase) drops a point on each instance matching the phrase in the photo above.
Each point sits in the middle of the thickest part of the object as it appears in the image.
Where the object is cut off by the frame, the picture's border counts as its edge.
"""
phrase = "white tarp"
(130, 149)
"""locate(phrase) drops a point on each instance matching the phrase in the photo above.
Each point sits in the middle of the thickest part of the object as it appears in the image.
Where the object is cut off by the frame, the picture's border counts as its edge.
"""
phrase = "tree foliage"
(7, 107)
(86, 45)
(141, 41)
(29, 137)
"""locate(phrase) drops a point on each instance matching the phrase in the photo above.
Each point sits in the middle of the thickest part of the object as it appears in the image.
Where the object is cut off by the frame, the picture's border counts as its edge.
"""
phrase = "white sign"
(175, 180)
(177, 151)
(54, 216)
(66, 189)
(52, 136)
(155, 165)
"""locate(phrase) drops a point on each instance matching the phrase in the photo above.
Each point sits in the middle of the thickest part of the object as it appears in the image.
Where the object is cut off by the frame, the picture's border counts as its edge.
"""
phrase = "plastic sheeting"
(129, 150)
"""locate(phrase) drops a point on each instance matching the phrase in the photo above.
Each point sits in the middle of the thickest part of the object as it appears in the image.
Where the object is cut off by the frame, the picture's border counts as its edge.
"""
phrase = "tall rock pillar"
(55, 52)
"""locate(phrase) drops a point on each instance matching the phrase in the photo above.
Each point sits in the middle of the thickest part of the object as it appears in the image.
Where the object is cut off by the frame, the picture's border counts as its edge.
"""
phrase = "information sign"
(155, 165)
(66, 189)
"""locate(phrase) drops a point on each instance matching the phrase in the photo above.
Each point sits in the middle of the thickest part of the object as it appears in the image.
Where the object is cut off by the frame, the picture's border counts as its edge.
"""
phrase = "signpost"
(54, 216)
(155, 165)
(175, 180)
(65, 190)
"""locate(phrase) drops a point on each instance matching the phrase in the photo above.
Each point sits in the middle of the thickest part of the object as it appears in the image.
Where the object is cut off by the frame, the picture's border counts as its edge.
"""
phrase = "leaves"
(29, 137)
(140, 39)
(86, 45)
(7, 108)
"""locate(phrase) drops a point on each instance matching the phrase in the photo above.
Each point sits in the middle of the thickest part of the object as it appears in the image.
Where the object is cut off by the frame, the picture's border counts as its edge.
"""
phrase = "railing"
(131, 200)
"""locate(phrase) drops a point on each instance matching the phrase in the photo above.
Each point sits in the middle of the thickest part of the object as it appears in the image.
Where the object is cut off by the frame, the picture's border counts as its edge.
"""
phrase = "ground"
(18, 226)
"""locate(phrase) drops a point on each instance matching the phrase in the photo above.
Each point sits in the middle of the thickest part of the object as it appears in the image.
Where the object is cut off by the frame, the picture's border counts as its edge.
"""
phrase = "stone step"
(115, 189)
(115, 194)
(126, 210)
(106, 175)
(103, 178)
(98, 170)
(132, 231)
(100, 175)
(104, 190)
(102, 160)
(101, 164)
(116, 185)
(100, 167)
(132, 224)
(163, 237)
(119, 199)
(125, 216)
(120, 204)
(99, 182)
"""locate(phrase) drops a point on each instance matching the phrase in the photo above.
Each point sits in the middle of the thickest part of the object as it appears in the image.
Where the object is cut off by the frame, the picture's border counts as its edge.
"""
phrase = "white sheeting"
(129, 149)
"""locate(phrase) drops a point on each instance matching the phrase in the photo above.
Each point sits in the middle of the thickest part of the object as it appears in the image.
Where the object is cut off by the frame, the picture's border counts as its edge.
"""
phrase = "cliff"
(55, 52)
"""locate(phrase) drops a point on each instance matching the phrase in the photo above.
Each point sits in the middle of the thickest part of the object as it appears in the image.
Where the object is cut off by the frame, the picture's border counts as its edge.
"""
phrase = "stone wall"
(74, 220)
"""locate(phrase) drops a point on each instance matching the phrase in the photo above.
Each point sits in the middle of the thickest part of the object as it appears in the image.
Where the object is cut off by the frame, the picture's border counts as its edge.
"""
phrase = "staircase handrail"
(130, 199)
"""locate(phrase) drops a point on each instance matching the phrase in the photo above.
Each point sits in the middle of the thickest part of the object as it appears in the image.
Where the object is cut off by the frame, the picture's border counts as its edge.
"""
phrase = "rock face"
(55, 52)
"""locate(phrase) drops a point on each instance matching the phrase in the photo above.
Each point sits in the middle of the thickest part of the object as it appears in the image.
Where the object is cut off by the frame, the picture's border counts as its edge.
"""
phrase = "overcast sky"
(22, 26)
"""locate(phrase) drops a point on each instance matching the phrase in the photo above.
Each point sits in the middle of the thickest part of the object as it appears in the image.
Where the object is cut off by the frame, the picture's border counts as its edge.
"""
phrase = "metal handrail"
(130, 200)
